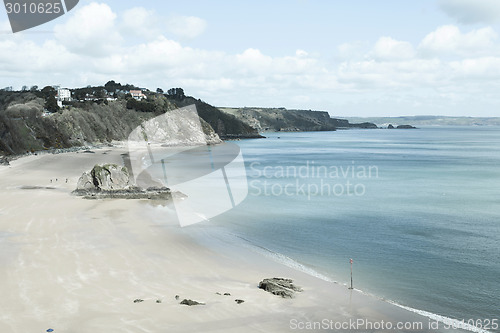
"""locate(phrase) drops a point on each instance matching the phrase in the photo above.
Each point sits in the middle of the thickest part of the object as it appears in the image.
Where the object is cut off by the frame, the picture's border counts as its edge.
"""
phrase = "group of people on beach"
(57, 179)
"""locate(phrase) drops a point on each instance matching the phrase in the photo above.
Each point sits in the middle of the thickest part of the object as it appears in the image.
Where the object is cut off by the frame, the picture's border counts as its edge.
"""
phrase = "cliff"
(26, 126)
(281, 119)
(226, 125)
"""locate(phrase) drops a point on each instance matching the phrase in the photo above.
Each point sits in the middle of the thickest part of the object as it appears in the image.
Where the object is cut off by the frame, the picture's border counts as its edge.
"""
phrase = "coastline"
(74, 264)
(228, 242)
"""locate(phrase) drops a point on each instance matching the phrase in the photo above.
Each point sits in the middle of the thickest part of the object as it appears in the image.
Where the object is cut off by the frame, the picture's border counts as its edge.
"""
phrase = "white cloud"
(374, 75)
(254, 62)
(472, 11)
(352, 50)
(301, 53)
(387, 48)
(95, 45)
(5, 27)
(26, 57)
(90, 31)
(484, 68)
(449, 40)
(140, 22)
(148, 25)
(186, 26)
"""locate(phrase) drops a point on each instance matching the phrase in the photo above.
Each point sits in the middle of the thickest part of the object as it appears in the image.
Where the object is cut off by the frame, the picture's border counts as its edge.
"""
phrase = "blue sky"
(351, 58)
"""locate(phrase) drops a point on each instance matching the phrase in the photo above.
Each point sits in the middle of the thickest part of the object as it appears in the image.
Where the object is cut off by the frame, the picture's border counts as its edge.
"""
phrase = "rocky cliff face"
(264, 119)
(26, 127)
(281, 119)
(180, 127)
(227, 126)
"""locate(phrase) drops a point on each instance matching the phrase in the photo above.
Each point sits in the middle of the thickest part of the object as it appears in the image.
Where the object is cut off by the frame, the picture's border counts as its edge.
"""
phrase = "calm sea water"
(420, 214)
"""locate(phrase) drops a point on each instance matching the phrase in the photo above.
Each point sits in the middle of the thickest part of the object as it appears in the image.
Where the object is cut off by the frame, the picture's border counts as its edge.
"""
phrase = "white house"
(137, 94)
(63, 94)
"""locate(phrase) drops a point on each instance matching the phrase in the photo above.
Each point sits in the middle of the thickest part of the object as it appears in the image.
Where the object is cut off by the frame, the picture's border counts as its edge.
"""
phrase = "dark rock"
(405, 127)
(110, 177)
(4, 161)
(89, 152)
(176, 296)
(280, 286)
(190, 302)
(113, 181)
(158, 301)
(365, 125)
(86, 182)
(239, 301)
(105, 177)
(227, 294)
(138, 300)
(390, 126)
(131, 193)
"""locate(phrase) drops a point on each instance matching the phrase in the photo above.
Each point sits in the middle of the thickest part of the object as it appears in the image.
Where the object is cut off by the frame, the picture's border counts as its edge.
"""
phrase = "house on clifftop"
(63, 94)
(137, 94)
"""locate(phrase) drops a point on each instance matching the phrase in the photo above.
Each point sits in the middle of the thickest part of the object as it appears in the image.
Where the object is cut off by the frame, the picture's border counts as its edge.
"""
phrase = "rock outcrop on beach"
(280, 287)
(4, 161)
(105, 177)
(113, 181)
(190, 302)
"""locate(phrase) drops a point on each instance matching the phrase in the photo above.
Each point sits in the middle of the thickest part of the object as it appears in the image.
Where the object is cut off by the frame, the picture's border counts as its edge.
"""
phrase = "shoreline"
(74, 264)
(281, 259)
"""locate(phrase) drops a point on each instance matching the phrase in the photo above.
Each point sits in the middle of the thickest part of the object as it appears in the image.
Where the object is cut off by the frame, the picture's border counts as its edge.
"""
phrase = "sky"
(350, 58)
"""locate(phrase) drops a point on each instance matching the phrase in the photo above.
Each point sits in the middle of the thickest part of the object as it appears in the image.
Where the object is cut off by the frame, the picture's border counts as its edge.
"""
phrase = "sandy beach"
(77, 265)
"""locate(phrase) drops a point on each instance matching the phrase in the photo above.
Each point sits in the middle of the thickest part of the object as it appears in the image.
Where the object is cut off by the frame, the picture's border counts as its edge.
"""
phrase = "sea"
(417, 211)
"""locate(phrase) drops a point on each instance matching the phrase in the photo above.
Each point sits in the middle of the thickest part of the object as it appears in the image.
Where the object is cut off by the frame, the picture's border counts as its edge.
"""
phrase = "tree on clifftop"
(49, 94)
(176, 93)
(112, 86)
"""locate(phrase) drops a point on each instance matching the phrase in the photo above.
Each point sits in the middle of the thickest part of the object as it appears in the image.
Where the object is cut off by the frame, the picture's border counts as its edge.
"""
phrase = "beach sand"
(77, 265)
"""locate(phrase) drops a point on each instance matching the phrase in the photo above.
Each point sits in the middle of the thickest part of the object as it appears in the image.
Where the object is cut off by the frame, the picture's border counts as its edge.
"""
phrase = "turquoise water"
(420, 215)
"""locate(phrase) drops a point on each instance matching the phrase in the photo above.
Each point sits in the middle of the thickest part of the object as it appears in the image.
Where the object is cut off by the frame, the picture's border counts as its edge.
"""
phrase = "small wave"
(283, 259)
(234, 239)
(454, 323)
(289, 262)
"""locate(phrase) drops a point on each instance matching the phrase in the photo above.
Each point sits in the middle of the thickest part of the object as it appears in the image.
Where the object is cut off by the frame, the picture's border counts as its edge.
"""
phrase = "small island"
(401, 127)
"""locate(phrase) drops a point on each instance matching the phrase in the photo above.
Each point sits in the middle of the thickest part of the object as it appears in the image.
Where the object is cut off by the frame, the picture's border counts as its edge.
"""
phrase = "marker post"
(350, 260)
